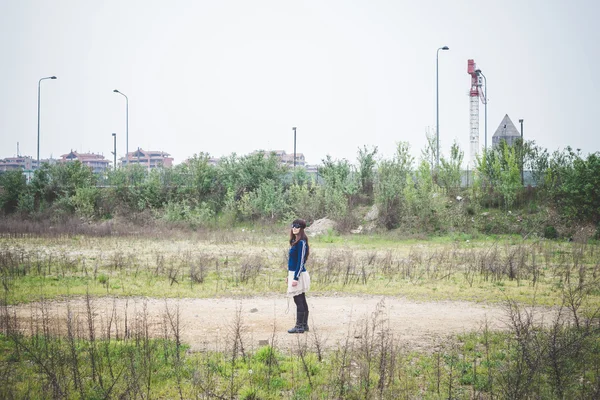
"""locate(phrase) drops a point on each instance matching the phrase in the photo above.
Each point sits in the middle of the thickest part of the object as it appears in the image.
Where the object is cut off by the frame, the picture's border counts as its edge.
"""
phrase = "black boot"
(299, 328)
(305, 321)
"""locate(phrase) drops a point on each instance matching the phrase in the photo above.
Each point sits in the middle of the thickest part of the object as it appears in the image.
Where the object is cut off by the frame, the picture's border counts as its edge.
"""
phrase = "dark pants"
(301, 309)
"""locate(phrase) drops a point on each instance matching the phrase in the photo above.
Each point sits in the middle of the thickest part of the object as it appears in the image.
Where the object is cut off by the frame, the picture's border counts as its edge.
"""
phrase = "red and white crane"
(475, 94)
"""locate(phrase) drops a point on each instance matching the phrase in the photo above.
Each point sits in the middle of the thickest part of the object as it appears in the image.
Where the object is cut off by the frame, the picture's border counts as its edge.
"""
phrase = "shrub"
(195, 216)
(550, 232)
(13, 185)
(575, 185)
(391, 182)
(84, 201)
(305, 201)
(26, 203)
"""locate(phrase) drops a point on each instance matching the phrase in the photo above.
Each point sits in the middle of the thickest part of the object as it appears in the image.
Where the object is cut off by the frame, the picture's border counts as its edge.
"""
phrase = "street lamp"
(38, 131)
(437, 105)
(522, 151)
(478, 72)
(127, 126)
(114, 135)
(294, 128)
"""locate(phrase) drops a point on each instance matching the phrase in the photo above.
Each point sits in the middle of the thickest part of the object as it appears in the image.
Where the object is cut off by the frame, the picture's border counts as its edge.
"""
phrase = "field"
(203, 315)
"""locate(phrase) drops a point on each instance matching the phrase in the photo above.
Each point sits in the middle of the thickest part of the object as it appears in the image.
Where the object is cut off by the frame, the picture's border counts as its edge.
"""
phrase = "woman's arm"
(301, 256)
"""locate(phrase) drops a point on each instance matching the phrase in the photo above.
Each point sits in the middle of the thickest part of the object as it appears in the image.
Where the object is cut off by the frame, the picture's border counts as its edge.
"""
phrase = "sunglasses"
(296, 226)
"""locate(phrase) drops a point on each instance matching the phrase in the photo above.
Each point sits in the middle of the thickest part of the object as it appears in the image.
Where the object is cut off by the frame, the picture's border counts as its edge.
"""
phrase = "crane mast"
(475, 94)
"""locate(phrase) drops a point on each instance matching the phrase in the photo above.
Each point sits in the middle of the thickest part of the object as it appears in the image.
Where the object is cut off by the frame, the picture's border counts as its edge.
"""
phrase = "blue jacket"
(297, 258)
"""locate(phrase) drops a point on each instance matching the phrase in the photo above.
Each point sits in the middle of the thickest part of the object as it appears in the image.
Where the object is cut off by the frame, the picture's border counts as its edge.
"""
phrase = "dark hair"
(301, 235)
(300, 222)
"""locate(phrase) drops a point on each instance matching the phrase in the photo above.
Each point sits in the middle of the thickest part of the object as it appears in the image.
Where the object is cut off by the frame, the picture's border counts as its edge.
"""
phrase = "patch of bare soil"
(209, 324)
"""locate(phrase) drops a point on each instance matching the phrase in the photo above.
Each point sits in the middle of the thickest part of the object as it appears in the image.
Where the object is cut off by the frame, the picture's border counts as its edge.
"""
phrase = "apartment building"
(24, 163)
(148, 159)
(96, 162)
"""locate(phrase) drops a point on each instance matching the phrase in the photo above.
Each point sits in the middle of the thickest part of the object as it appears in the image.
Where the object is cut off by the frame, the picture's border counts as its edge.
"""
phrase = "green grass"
(146, 284)
(266, 373)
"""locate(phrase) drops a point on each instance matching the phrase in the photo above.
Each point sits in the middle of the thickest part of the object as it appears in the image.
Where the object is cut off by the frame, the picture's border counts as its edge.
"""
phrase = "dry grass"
(200, 266)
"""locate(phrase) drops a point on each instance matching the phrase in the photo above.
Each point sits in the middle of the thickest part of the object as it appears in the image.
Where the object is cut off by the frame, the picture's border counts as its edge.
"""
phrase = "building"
(25, 163)
(96, 162)
(148, 159)
(506, 131)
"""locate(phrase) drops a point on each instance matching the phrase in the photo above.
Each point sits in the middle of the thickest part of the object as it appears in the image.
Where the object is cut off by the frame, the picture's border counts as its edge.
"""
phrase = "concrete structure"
(96, 162)
(148, 159)
(506, 131)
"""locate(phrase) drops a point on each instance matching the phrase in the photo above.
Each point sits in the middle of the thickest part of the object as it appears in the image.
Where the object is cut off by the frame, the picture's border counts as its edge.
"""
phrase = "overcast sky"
(236, 76)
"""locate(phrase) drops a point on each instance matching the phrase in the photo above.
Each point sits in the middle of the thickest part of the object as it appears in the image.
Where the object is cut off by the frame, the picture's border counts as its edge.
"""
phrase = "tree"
(51, 183)
(305, 201)
(153, 192)
(449, 175)
(507, 168)
(366, 169)
(391, 181)
(13, 185)
(339, 186)
(125, 187)
(574, 184)
(66, 178)
(246, 174)
(300, 176)
(537, 162)
(197, 177)
(268, 200)
(498, 170)
(430, 150)
(337, 174)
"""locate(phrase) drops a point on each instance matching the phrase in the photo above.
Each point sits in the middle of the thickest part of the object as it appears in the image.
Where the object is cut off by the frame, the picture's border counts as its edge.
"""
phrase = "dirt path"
(206, 324)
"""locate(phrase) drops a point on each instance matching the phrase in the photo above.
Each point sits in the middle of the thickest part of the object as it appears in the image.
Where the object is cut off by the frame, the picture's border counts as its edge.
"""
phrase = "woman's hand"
(294, 283)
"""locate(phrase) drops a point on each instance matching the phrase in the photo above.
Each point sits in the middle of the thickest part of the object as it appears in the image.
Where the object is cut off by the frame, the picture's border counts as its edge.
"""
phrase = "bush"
(194, 216)
(13, 185)
(575, 185)
(391, 182)
(305, 201)
(26, 203)
(84, 201)
(62, 209)
(550, 232)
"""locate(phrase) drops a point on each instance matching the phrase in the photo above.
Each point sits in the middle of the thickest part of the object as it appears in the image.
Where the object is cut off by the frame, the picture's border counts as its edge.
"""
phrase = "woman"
(298, 279)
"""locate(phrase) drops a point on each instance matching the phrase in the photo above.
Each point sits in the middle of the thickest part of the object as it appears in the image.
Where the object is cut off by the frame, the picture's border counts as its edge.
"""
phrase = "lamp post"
(437, 105)
(127, 125)
(38, 130)
(294, 128)
(478, 71)
(114, 152)
(522, 151)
